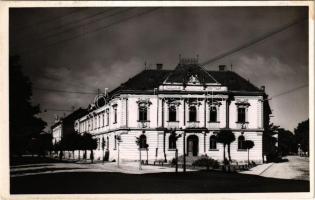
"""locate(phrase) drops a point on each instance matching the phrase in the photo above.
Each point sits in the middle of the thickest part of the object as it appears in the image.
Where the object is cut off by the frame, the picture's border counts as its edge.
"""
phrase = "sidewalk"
(133, 168)
(258, 170)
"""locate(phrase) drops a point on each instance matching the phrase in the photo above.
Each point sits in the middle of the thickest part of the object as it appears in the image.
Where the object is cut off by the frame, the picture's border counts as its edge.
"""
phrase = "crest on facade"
(99, 100)
(193, 79)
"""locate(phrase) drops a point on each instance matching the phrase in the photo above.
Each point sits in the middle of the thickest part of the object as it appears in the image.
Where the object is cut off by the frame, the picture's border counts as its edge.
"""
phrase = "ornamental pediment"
(193, 79)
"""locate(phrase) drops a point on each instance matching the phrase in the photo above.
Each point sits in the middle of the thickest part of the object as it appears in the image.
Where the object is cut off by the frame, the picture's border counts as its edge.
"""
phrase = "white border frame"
(4, 122)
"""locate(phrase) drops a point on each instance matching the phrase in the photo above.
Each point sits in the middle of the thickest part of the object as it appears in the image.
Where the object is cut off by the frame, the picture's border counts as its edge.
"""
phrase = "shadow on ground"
(50, 169)
(189, 182)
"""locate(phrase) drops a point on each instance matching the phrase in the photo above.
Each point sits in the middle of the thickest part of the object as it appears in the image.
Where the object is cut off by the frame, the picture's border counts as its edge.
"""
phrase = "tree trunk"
(248, 156)
(229, 152)
(139, 158)
(223, 153)
(147, 162)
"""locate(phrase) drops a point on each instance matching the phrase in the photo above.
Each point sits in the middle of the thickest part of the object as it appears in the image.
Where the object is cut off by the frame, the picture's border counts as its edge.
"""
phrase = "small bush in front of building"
(206, 162)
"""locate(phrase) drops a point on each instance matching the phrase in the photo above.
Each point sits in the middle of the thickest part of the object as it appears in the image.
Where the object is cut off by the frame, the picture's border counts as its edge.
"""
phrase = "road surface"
(295, 168)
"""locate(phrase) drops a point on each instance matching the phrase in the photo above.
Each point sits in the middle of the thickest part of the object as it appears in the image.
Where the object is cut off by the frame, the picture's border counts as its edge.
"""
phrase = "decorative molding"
(144, 102)
(193, 79)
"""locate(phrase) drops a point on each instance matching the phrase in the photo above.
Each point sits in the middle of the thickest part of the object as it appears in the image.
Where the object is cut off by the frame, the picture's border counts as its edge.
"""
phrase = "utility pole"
(184, 149)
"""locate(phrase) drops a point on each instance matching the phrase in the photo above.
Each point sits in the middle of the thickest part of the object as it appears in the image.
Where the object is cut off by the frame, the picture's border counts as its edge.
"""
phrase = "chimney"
(262, 88)
(159, 66)
(222, 67)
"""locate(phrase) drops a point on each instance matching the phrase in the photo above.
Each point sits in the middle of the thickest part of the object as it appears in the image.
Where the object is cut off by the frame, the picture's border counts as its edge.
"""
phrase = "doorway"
(192, 145)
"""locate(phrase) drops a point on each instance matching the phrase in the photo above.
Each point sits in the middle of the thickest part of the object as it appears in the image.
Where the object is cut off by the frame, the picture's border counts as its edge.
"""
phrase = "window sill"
(171, 149)
(217, 122)
(172, 121)
(143, 121)
(242, 122)
(241, 149)
(193, 121)
(114, 122)
(213, 149)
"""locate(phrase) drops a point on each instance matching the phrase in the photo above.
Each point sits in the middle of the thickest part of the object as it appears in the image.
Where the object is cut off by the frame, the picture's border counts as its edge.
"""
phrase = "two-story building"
(190, 101)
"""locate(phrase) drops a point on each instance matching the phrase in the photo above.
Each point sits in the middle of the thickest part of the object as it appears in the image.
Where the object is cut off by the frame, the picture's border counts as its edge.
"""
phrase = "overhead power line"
(63, 91)
(58, 110)
(31, 51)
(78, 23)
(253, 42)
(45, 21)
(289, 91)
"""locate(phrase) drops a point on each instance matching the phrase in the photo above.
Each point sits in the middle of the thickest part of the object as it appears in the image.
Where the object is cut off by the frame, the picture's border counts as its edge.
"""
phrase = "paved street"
(293, 167)
(52, 168)
(83, 178)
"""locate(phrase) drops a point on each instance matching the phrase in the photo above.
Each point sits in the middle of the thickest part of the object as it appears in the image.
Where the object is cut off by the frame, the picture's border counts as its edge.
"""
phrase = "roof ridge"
(208, 73)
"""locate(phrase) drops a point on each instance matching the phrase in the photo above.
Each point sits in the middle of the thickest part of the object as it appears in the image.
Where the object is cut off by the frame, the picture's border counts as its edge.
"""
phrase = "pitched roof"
(233, 81)
(150, 79)
(145, 80)
(182, 73)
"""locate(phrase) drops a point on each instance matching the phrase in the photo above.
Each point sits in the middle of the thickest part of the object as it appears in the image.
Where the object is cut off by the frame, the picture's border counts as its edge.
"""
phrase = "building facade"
(189, 101)
(65, 124)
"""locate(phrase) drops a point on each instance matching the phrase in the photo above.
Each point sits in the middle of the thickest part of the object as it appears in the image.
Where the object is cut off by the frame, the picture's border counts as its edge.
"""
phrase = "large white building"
(189, 100)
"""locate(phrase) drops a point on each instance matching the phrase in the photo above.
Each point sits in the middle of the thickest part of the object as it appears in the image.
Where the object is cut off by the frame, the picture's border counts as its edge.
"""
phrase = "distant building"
(65, 125)
(188, 100)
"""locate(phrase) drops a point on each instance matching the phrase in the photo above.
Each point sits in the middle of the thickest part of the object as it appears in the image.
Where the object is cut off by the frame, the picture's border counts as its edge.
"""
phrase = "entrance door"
(192, 145)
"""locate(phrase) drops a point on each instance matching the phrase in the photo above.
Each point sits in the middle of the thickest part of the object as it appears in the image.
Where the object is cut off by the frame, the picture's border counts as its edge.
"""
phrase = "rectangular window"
(103, 120)
(241, 115)
(107, 117)
(192, 114)
(172, 114)
(99, 121)
(143, 113)
(213, 114)
(115, 115)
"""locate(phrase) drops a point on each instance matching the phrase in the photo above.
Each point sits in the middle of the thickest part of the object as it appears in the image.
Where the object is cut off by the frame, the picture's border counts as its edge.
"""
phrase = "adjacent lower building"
(190, 101)
(65, 125)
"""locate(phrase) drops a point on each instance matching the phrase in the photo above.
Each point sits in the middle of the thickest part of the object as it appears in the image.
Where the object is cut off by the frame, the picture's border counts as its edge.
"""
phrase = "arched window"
(143, 112)
(172, 114)
(213, 142)
(172, 142)
(192, 114)
(213, 114)
(143, 141)
(240, 142)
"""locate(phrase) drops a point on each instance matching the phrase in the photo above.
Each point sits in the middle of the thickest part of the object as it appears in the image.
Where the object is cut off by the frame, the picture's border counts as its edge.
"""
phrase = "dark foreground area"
(190, 182)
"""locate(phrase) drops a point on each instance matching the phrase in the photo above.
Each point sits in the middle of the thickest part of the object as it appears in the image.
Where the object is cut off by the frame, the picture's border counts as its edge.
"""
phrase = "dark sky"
(82, 49)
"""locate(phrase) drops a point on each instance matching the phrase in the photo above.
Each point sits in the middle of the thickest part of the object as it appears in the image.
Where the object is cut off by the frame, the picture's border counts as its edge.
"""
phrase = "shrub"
(206, 162)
